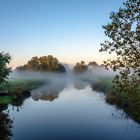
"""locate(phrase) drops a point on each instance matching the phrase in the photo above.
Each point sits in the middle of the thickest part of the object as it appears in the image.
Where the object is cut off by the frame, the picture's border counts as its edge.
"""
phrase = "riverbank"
(130, 103)
(16, 89)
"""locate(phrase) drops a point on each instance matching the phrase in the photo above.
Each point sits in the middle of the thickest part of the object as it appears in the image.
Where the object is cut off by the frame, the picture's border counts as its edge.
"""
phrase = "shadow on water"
(5, 123)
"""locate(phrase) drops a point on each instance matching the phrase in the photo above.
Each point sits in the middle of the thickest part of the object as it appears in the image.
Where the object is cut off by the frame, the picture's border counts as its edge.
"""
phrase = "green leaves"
(43, 63)
(124, 34)
(4, 69)
(80, 67)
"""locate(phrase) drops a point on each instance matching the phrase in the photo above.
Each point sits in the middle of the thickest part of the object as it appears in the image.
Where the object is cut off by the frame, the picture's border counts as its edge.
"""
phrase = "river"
(70, 112)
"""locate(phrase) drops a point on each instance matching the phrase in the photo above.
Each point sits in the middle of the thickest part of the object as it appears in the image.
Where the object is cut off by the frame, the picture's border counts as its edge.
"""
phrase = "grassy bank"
(104, 84)
(6, 100)
(17, 85)
(130, 103)
(16, 89)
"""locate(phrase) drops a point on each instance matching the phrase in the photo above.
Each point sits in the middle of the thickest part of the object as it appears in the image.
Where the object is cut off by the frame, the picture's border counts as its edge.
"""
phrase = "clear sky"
(70, 30)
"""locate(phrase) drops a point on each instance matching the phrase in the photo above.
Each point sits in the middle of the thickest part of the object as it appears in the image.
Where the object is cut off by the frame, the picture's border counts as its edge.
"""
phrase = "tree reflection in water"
(17, 102)
(51, 91)
(5, 124)
(80, 85)
(48, 92)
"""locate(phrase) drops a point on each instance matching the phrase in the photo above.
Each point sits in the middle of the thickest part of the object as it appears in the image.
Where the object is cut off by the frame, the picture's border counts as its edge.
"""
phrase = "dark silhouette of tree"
(61, 68)
(5, 124)
(4, 69)
(124, 34)
(43, 63)
(80, 67)
(21, 68)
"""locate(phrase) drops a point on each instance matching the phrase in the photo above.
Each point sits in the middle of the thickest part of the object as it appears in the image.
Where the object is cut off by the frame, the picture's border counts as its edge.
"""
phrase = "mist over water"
(69, 76)
(67, 107)
(54, 83)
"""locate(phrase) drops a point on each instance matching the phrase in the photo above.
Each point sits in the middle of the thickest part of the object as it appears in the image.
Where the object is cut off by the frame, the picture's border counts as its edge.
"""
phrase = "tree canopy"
(43, 63)
(93, 63)
(4, 69)
(124, 34)
(80, 67)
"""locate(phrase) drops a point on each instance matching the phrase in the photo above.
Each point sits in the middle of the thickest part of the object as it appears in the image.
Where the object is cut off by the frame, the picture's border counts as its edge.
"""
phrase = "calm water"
(71, 112)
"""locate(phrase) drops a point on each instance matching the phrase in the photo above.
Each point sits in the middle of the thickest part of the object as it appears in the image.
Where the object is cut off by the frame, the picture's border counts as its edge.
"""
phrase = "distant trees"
(43, 63)
(4, 69)
(124, 34)
(80, 67)
(94, 64)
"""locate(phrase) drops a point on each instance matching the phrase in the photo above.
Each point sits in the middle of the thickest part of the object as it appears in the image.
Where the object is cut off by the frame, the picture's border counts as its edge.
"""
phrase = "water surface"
(70, 112)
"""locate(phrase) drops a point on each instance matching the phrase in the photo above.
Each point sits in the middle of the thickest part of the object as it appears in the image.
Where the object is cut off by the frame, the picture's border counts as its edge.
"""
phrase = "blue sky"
(71, 30)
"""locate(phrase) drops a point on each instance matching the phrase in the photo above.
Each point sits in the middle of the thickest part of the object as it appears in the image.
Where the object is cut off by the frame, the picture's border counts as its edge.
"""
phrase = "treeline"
(82, 67)
(43, 63)
(51, 64)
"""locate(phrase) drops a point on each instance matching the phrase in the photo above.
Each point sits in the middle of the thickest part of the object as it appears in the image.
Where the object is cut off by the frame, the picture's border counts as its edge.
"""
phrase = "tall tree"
(4, 69)
(124, 34)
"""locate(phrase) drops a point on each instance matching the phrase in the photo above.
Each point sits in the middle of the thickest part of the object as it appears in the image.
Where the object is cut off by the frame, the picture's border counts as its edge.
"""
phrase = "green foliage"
(130, 103)
(80, 67)
(124, 34)
(43, 63)
(5, 100)
(15, 88)
(4, 69)
(103, 84)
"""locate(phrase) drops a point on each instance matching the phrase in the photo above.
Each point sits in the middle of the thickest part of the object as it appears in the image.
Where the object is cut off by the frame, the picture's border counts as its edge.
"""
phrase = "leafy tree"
(48, 62)
(43, 63)
(4, 69)
(124, 34)
(33, 64)
(80, 67)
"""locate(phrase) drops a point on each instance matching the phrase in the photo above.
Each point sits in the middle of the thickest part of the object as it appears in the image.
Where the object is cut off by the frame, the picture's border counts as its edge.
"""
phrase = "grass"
(104, 84)
(23, 85)
(6, 100)
(15, 89)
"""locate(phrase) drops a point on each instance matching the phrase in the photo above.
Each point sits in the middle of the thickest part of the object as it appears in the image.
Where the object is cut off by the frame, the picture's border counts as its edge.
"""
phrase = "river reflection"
(75, 112)
(79, 85)
(51, 91)
(5, 123)
(47, 92)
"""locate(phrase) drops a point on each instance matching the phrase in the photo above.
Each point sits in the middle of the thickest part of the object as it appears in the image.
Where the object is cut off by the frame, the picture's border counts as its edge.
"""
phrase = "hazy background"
(71, 30)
